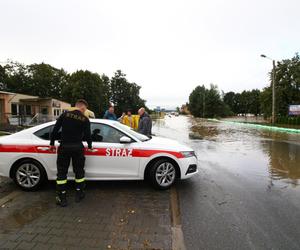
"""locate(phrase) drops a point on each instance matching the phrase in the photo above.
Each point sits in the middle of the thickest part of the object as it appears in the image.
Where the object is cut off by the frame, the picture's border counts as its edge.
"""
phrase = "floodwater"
(246, 195)
(264, 156)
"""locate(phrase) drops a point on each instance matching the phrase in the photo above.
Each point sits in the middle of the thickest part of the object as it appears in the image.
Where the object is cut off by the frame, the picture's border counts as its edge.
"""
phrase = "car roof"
(31, 130)
(104, 121)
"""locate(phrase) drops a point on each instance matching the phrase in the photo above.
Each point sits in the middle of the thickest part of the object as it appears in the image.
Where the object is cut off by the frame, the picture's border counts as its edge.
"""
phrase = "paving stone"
(42, 246)
(56, 240)
(57, 232)
(9, 245)
(75, 240)
(27, 237)
(14, 237)
(42, 238)
(26, 245)
(94, 224)
(88, 242)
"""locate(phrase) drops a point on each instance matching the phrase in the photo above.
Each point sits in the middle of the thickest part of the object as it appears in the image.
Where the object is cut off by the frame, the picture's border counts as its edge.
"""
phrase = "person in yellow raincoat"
(131, 120)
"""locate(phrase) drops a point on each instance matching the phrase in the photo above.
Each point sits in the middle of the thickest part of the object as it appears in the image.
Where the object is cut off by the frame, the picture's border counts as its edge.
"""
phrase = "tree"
(243, 103)
(3, 78)
(196, 101)
(17, 79)
(232, 100)
(46, 81)
(254, 102)
(266, 101)
(125, 95)
(207, 102)
(87, 85)
(287, 87)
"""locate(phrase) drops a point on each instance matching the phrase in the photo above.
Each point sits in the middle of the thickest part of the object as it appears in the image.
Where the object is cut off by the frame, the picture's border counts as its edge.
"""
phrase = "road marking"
(177, 234)
(9, 197)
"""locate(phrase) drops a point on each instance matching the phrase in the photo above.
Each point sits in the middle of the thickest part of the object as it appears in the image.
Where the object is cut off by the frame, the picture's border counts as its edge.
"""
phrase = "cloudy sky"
(166, 46)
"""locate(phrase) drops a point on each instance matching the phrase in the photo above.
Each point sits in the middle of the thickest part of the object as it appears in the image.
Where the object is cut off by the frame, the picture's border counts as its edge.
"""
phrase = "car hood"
(166, 144)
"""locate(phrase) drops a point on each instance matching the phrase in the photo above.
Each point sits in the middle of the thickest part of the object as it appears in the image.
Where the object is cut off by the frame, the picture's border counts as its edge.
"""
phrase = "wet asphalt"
(246, 195)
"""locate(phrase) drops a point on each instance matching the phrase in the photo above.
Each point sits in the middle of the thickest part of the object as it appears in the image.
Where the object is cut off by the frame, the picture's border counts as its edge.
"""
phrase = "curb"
(177, 233)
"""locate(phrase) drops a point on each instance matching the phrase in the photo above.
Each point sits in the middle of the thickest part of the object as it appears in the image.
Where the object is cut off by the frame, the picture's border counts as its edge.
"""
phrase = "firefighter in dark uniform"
(75, 127)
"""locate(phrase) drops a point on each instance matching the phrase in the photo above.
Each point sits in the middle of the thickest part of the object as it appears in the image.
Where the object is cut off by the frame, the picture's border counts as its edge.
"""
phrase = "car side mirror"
(125, 139)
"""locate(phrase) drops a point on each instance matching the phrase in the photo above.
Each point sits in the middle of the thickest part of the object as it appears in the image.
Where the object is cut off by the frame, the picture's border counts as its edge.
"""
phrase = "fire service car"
(119, 153)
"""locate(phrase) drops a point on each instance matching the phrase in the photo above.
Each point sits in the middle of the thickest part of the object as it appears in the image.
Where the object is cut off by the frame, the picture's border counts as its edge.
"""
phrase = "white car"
(119, 153)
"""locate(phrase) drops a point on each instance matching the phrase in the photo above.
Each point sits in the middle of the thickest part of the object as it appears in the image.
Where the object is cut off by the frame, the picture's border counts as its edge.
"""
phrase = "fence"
(26, 120)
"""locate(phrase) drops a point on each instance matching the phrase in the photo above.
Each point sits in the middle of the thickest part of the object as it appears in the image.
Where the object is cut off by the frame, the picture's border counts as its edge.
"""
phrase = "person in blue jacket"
(110, 114)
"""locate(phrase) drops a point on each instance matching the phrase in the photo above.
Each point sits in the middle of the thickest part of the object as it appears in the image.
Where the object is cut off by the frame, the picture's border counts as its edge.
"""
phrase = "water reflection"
(284, 160)
(240, 149)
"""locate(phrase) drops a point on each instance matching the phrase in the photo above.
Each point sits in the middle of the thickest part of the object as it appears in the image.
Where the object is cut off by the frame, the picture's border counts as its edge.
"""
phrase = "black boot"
(61, 198)
(80, 191)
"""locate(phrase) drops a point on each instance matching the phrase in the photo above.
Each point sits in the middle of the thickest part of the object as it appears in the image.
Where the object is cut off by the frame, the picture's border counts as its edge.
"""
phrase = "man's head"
(129, 113)
(111, 109)
(96, 131)
(82, 105)
(141, 111)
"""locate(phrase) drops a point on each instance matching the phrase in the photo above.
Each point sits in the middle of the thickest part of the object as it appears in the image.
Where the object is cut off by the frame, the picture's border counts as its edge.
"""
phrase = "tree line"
(44, 80)
(210, 102)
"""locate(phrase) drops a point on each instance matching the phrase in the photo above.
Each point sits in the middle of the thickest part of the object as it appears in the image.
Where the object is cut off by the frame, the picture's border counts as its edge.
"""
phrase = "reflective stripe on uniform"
(79, 180)
(61, 182)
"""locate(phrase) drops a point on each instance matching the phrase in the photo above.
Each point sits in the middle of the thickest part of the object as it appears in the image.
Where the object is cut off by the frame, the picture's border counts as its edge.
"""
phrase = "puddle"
(20, 217)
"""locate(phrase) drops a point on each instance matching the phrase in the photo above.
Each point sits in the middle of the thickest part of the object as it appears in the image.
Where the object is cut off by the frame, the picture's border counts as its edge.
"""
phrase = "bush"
(290, 120)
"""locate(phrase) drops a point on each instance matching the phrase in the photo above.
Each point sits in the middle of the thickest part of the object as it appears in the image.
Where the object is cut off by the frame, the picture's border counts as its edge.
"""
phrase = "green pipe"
(279, 129)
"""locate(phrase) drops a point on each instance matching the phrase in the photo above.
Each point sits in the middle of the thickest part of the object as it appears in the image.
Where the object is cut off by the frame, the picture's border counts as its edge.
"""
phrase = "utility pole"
(203, 108)
(273, 88)
(273, 93)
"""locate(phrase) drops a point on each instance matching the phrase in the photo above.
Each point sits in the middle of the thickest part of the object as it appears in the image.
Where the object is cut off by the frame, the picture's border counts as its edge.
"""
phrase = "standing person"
(121, 118)
(88, 113)
(129, 120)
(145, 123)
(74, 127)
(110, 114)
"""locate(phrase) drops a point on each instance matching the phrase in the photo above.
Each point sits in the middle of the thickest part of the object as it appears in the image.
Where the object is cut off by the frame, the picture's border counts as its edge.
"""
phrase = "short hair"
(82, 101)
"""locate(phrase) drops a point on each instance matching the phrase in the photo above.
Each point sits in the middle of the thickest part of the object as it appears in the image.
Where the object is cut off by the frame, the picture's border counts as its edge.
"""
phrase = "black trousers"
(65, 154)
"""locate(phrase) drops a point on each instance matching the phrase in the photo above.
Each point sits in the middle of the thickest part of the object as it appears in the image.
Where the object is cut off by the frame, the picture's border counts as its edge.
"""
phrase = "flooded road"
(247, 193)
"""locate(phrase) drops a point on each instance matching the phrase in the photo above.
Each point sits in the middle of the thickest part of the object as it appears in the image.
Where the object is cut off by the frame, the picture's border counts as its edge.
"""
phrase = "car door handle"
(92, 150)
(43, 148)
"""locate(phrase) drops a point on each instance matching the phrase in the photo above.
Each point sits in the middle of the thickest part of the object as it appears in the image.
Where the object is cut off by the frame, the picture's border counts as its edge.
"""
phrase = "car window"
(45, 133)
(130, 131)
(105, 133)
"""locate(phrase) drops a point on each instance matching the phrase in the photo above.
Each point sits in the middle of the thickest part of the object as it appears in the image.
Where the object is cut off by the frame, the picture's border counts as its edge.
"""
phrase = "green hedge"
(290, 120)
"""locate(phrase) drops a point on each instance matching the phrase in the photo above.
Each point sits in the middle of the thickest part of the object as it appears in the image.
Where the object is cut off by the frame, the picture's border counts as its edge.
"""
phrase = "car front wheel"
(162, 174)
(29, 174)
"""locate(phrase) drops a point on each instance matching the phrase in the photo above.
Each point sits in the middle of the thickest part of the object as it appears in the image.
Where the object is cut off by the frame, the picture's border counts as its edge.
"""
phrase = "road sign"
(294, 110)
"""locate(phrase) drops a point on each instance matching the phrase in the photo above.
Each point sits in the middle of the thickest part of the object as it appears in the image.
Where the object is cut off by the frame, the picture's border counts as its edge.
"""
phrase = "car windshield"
(130, 131)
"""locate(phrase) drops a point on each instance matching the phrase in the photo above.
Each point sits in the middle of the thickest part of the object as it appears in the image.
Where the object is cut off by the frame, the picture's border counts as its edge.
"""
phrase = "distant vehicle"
(119, 154)
(176, 114)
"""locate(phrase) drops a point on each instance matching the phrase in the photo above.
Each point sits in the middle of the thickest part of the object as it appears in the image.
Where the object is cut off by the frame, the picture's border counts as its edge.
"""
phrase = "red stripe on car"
(42, 149)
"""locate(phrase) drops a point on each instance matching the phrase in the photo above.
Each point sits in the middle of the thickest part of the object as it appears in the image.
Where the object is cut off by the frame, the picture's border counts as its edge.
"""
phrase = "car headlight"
(187, 154)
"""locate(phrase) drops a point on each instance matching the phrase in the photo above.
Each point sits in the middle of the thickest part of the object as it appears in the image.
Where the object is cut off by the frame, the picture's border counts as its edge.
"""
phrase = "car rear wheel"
(29, 175)
(162, 174)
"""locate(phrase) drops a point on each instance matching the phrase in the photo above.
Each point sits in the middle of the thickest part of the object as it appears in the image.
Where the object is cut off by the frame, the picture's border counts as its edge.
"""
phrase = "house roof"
(42, 99)
(31, 98)
(9, 93)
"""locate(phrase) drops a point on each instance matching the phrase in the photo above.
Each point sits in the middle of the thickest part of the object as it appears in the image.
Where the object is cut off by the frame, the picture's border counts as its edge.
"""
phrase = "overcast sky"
(166, 46)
